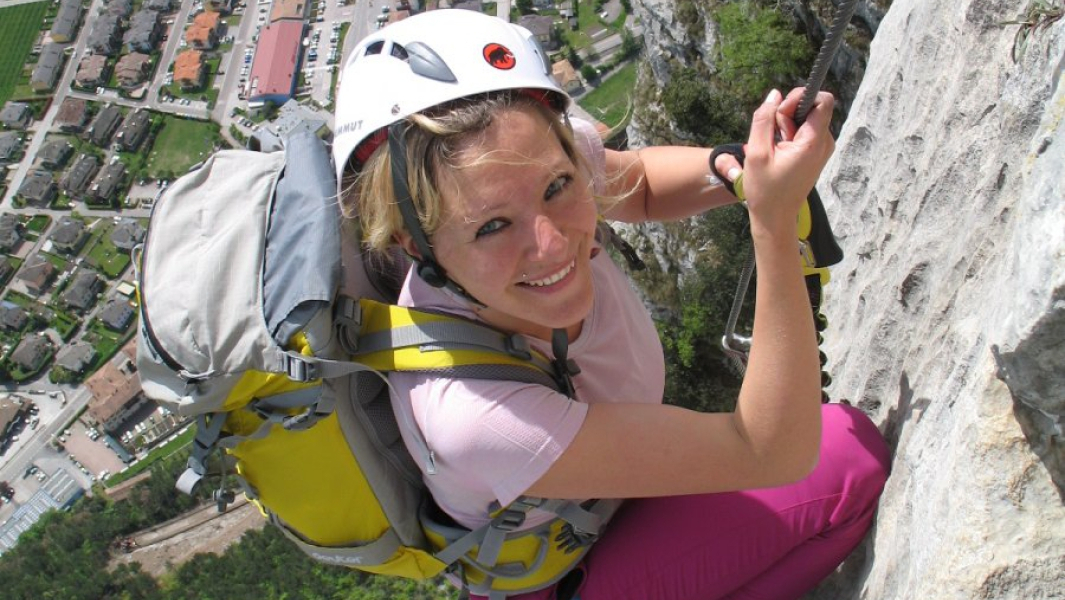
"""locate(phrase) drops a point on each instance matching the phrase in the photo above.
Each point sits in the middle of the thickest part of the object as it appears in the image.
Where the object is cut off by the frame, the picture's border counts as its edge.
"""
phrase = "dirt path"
(170, 544)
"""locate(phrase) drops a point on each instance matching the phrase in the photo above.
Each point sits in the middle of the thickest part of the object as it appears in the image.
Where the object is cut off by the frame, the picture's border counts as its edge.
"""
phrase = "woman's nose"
(549, 238)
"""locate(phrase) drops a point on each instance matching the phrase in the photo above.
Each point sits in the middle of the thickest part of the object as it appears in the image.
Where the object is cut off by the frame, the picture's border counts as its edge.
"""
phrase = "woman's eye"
(490, 227)
(557, 186)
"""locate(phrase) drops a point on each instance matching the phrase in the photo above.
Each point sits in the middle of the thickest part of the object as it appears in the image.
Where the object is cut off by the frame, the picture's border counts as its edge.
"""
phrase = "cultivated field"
(19, 27)
(180, 144)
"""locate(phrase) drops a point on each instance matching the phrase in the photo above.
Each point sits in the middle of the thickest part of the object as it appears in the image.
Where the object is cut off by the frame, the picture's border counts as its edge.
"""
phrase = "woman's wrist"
(779, 232)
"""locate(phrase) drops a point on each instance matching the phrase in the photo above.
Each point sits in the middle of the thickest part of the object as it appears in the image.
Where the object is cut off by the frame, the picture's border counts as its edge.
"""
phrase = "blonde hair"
(434, 139)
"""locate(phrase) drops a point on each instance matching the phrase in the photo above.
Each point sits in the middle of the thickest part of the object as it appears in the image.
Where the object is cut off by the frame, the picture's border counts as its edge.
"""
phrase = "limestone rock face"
(666, 39)
(948, 313)
(668, 45)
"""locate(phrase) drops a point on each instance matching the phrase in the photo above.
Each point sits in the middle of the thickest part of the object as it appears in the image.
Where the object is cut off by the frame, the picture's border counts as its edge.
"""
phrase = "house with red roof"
(189, 69)
(275, 72)
(203, 33)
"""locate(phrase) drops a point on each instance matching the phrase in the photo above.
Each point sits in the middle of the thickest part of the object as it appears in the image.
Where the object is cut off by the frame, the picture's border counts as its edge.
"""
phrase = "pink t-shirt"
(491, 440)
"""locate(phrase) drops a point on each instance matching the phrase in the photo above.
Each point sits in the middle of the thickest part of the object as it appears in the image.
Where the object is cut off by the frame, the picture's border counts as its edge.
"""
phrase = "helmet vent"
(374, 48)
(426, 62)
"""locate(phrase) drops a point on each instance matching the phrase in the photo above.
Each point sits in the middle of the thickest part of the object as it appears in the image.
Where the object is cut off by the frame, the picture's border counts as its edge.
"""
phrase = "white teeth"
(553, 278)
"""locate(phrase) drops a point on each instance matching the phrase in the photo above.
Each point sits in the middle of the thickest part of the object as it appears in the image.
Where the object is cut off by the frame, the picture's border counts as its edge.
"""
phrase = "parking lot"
(324, 50)
(46, 407)
(86, 450)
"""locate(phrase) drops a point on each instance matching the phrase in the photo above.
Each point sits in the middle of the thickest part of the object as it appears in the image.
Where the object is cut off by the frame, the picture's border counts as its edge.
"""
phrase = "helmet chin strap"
(431, 271)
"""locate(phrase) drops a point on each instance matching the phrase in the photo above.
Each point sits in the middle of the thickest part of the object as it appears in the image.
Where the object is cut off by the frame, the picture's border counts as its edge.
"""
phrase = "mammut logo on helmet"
(499, 56)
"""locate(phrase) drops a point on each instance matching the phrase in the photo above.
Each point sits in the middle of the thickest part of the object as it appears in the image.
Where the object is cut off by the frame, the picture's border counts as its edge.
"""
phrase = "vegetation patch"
(20, 25)
(107, 343)
(180, 144)
(162, 452)
(105, 256)
(38, 223)
(611, 102)
(1040, 14)
(19, 299)
(57, 261)
(697, 107)
(69, 555)
(64, 324)
(62, 202)
(15, 264)
(760, 51)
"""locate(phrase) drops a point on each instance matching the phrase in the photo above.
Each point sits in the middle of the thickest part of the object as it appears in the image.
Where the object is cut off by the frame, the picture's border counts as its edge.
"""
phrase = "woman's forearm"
(664, 183)
(779, 407)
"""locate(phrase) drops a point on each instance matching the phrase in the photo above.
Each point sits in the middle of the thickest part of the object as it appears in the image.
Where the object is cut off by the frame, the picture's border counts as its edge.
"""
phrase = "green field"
(105, 256)
(180, 441)
(19, 27)
(38, 223)
(610, 103)
(180, 144)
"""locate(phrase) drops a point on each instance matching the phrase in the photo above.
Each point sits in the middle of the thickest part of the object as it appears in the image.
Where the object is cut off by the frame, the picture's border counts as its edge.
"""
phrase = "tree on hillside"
(695, 106)
(759, 51)
(697, 374)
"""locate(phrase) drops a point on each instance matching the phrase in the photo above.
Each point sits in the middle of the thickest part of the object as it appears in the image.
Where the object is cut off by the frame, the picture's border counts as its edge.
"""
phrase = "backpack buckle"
(571, 538)
(513, 516)
(517, 346)
(347, 322)
(299, 369)
(510, 519)
(256, 407)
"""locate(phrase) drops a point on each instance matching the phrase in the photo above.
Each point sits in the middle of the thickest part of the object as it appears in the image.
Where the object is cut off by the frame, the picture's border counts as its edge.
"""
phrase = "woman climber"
(454, 143)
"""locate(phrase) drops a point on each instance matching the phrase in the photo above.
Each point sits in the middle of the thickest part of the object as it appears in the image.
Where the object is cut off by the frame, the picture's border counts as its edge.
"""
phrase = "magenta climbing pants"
(767, 544)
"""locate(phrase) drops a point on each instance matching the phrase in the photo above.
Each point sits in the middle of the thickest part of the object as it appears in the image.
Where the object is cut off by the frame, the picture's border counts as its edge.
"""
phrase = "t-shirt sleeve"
(497, 435)
(591, 146)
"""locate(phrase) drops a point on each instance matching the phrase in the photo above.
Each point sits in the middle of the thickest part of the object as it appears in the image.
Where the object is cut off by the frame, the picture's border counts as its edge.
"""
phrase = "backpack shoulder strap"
(396, 338)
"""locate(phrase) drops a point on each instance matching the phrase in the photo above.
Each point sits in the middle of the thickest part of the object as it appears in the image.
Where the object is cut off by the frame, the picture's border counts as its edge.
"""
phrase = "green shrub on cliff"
(759, 51)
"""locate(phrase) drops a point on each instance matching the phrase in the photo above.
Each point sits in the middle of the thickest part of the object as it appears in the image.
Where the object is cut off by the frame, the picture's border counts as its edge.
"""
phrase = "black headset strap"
(431, 271)
(397, 146)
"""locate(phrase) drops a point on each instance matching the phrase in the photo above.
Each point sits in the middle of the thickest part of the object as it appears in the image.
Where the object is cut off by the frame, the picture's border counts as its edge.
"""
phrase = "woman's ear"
(406, 242)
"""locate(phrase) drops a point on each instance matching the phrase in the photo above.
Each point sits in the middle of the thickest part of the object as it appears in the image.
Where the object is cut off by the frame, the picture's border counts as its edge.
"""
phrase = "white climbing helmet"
(429, 59)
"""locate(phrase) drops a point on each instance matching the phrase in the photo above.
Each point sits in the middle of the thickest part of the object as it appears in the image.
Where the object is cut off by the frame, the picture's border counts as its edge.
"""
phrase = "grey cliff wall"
(948, 314)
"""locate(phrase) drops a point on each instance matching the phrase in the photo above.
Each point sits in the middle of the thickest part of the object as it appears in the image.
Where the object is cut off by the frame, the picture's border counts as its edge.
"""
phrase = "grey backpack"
(258, 321)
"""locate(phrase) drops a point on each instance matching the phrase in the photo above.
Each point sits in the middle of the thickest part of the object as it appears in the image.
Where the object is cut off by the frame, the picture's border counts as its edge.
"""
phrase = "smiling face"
(519, 226)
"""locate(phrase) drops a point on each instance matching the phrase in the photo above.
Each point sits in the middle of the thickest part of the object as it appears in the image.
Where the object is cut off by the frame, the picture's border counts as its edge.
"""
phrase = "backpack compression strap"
(276, 409)
(583, 527)
(561, 544)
